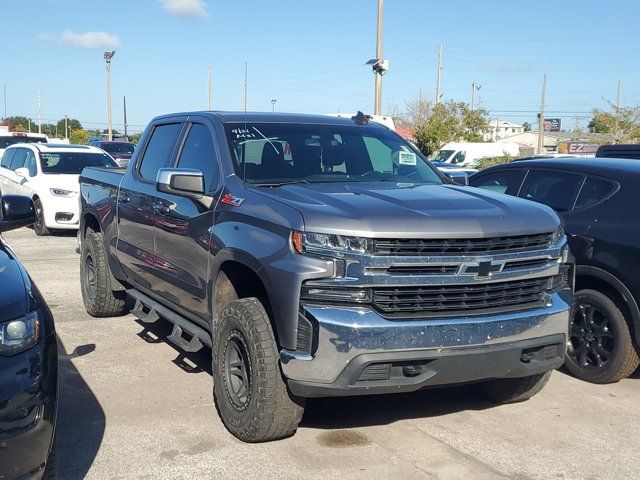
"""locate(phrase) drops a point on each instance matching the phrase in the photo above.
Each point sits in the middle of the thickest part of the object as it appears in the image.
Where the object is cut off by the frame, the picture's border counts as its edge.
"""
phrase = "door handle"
(161, 208)
(124, 198)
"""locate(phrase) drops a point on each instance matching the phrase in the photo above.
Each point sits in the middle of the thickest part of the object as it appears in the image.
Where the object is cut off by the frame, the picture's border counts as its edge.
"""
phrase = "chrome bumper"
(346, 333)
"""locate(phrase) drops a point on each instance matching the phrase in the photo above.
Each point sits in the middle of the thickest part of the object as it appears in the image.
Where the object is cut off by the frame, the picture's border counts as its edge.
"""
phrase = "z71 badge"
(232, 200)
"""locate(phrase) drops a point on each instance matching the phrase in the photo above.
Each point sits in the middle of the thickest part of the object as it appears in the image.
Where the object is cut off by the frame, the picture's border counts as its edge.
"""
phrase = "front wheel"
(251, 395)
(38, 225)
(512, 390)
(600, 348)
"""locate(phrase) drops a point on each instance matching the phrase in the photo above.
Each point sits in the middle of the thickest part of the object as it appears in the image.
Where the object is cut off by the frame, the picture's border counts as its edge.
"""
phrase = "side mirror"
(16, 211)
(22, 172)
(184, 182)
(459, 178)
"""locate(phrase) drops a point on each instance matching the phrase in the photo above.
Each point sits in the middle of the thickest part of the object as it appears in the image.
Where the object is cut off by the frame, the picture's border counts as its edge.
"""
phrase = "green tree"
(17, 124)
(79, 137)
(623, 127)
(135, 137)
(526, 126)
(72, 124)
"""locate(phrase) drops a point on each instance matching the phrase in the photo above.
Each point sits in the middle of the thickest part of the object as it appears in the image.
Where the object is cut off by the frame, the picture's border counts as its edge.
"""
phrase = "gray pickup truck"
(320, 256)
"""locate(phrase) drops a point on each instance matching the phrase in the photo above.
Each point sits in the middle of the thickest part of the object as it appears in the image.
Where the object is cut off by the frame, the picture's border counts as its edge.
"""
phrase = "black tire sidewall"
(88, 249)
(41, 230)
(618, 326)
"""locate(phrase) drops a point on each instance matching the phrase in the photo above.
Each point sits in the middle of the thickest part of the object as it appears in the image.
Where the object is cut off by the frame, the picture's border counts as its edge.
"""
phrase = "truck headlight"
(59, 192)
(19, 335)
(557, 236)
(301, 241)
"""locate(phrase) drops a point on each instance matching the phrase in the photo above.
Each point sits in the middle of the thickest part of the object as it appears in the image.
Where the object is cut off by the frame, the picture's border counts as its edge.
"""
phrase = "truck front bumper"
(357, 351)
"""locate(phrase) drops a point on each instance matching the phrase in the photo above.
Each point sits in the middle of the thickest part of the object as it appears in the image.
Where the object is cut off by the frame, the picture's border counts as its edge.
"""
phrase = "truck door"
(136, 201)
(183, 226)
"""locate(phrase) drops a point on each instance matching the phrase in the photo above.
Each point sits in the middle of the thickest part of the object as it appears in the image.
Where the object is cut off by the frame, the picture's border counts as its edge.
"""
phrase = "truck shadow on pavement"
(81, 421)
(342, 412)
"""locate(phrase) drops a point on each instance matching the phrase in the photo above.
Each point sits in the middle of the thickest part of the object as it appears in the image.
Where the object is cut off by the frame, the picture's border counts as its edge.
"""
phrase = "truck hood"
(387, 210)
(13, 297)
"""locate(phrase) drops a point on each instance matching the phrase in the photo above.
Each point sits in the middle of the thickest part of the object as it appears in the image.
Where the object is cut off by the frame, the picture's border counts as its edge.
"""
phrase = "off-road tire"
(512, 390)
(624, 358)
(51, 468)
(39, 226)
(99, 298)
(270, 412)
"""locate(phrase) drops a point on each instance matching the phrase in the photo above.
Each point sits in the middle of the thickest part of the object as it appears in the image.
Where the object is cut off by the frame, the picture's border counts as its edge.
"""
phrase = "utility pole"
(377, 110)
(107, 58)
(244, 96)
(474, 88)
(618, 109)
(210, 87)
(541, 122)
(39, 113)
(124, 102)
(29, 120)
(66, 127)
(5, 102)
(439, 84)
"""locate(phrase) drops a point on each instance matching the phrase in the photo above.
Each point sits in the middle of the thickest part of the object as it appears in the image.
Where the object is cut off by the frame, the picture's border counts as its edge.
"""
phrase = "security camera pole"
(379, 65)
(107, 58)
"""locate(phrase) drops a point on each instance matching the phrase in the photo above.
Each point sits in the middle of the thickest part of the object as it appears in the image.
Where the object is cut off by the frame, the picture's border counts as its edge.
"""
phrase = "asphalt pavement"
(132, 406)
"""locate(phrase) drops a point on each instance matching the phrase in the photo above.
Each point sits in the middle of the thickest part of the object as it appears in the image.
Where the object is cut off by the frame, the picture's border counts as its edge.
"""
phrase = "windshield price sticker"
(243, 133)
(406, 158)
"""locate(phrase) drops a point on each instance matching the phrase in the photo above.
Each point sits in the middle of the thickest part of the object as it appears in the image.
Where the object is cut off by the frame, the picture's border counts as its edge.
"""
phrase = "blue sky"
(309, 55)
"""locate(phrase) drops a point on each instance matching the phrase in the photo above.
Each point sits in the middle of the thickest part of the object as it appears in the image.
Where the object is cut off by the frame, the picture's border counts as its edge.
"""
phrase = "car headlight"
(59, 192)
(301, 242)
(558, 235)
(19, 335)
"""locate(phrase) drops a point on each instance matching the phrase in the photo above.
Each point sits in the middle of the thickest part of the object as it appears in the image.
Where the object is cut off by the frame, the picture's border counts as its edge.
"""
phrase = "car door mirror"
(16, 211)
(22, 172)
(184, 182)
(459, 178)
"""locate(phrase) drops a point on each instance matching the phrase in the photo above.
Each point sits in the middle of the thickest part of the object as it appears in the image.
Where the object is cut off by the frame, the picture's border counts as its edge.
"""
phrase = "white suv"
(49, 174)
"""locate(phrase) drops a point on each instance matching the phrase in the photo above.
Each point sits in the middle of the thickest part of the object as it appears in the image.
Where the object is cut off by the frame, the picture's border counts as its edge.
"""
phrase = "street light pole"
(273, 105)
(378, 73)
(541, 119)
(474, 88)
(107, 58)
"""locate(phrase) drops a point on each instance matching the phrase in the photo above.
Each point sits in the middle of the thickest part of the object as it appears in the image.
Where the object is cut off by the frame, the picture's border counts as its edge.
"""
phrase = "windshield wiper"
(279, 184)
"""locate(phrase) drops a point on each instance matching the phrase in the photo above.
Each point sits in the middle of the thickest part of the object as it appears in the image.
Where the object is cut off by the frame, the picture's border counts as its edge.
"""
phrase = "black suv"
(598, 198)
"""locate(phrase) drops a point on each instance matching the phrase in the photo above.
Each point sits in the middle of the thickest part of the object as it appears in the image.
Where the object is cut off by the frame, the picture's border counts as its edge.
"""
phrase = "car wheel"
(600, 348)
(512, 390)
(95, 280)
(250, 392)
(38, 225)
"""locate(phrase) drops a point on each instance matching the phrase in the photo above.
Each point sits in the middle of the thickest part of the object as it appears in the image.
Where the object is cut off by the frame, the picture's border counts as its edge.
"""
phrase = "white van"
(467, 154)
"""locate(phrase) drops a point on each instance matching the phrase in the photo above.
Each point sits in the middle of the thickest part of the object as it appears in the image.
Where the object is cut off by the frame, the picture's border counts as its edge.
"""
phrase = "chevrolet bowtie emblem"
(485, 268)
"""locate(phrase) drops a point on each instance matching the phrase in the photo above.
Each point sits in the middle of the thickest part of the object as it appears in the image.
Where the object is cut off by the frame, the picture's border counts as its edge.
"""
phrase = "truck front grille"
(461, 300)
(476, 246)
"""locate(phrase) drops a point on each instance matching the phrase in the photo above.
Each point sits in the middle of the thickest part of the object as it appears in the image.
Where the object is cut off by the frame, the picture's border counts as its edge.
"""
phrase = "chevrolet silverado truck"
(320, 256)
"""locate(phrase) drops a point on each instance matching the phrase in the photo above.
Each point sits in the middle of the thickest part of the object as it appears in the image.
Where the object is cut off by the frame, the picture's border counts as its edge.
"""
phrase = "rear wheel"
(38, 225)
(98, 297)
(512, 390)
(600, 348)
(251, 395)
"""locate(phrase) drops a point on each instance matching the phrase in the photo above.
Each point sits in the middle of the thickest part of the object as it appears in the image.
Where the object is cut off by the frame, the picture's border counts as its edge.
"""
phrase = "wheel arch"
(598, 279)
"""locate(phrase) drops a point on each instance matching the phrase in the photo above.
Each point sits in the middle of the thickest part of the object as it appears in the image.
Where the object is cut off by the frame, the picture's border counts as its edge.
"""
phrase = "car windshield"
(117, 147)
(73, 162)
(279, 153)
(441, 156)
(6, 141)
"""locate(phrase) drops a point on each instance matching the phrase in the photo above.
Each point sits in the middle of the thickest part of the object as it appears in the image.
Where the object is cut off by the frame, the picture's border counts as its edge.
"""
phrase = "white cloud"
(191, 9)
(98, 40)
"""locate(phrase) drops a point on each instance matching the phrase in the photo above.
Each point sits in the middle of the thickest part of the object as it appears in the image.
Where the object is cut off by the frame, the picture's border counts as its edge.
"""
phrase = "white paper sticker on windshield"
(406, 158)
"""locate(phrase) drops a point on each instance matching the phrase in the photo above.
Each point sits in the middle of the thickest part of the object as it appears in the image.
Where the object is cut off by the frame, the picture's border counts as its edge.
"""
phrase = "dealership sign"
(552, 124)
(577, 148)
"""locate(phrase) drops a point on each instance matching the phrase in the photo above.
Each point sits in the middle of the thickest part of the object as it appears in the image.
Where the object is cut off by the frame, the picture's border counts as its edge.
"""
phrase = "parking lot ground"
(133, 406)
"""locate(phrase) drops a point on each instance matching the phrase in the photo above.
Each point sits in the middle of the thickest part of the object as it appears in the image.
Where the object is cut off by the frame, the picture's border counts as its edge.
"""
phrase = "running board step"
(178, 340)
(149, 311)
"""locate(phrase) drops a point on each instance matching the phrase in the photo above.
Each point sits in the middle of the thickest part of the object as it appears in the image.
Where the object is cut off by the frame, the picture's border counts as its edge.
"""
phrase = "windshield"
(441, 156)
(72, 163)
(276, 153)
(116, 147)
(6, 141)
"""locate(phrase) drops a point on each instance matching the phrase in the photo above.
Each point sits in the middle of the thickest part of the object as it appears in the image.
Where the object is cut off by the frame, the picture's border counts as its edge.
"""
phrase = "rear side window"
(505, 181)
(18, 159)
(30, 163)
(6, 158)
(558, 190)
(594, 191)
(199, 153)
(159, 150)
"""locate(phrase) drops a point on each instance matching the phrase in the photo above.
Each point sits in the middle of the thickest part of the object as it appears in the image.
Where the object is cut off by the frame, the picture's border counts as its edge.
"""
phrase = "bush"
(491, 161)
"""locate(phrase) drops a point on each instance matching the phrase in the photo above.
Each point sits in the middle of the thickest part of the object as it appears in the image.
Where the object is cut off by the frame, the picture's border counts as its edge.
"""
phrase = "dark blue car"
(28, 362)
